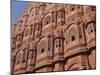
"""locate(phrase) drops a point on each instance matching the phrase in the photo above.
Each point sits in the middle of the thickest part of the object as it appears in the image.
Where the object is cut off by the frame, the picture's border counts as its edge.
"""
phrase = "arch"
(73, 67)
(27, 27)
(69, 25)
(48, 13)
(65, 29)
(90, 27)
(19, 56)
(42, 8)
(34, 11)
(42, 45)
(72, 33)
(77, 21)
(89, 23)
(47, 17)
(40, 39)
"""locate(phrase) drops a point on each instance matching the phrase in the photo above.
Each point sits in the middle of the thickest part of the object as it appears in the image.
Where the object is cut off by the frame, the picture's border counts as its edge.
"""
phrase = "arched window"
(42, 46)
(72, 34)
(47, 20)
(37, 30)
(34, 11)
(18, 58)
(90, 28)
(42, 9)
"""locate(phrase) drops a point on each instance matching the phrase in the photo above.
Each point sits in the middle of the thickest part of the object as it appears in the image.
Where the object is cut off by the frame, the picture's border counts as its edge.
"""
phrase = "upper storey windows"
(46, 20)
(42, 9)
(42, 46)
(34, 11)
(60, 17)
(19, 58)
(72, 7)
(72, 34)
(60, 14)
(91, 28)
(38, 28)
(29, 30)
(38, 10)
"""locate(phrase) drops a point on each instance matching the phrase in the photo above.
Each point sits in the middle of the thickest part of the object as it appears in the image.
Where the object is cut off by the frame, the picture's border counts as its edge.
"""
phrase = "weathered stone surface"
(54, 37)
